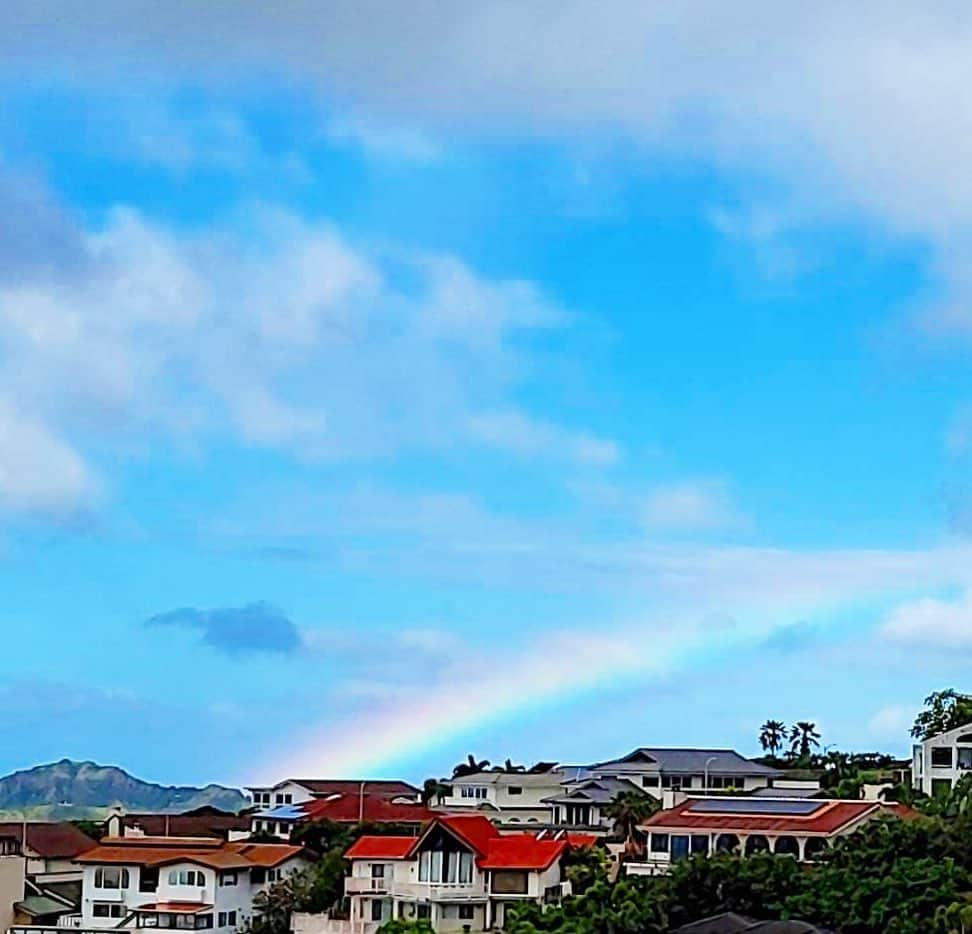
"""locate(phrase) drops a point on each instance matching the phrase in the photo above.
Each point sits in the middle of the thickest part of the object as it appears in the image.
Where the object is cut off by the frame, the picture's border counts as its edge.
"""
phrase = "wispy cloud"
(255, 628)
(693, 505)
(932, 623)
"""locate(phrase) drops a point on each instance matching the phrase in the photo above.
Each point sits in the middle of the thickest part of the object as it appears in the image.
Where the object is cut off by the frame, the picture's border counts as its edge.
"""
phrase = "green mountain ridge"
(69, 790)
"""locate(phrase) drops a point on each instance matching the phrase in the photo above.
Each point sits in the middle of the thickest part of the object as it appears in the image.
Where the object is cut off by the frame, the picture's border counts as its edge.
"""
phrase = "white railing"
(322, 924)
(70, 921)
(433, 891)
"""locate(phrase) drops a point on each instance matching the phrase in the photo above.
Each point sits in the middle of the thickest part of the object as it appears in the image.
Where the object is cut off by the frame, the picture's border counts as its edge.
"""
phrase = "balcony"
(70, 921)
(416, 891)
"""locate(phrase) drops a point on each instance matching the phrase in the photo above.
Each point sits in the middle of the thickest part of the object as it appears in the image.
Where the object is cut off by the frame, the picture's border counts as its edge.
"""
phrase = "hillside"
(75, 790)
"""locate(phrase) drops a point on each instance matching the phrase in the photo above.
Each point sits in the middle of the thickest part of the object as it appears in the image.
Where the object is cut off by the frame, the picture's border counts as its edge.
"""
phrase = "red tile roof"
(830, 818)
(381, 848)
(159, 851)
(494, 850)
(49, 840)
(376, 809)
(522, 851)
(473, 829)
(187, 825)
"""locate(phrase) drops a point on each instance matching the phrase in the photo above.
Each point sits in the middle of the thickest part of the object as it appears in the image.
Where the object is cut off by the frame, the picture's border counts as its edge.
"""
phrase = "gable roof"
(493, 850)
(378, 809)
(595, 790)
(50, 840)
(214, 853)
(686, 761)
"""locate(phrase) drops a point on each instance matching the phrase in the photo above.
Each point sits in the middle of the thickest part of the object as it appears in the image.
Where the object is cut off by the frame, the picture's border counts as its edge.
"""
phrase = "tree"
(470, 767)
(772, 735)
(629, 810)
(402, 926)
(803, 735)
(435, 790)
(943, 711)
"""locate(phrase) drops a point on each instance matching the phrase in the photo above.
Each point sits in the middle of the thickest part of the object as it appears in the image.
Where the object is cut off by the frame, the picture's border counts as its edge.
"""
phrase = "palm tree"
(772, 735)
(803, 735)
(435, 790)
(629, 810)
(470, 767)
(508, 766)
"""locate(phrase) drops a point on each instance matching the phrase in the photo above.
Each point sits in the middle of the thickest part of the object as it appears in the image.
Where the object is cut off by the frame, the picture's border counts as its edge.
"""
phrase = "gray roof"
(594, 790)
(684, 762)
(789, 792)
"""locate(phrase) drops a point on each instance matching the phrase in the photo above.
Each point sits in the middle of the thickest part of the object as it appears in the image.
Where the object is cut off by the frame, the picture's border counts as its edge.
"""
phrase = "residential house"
(344, 808)
(656, 769)
(39, 880)
(940, 761)
(798, 827)
(508, 798)
(188, 883)
(202, 822)
(585, 804)
(299, 790)
(462, 872)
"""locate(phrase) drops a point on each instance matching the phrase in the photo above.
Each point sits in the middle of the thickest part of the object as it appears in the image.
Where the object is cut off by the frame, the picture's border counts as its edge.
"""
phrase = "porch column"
(802, 844)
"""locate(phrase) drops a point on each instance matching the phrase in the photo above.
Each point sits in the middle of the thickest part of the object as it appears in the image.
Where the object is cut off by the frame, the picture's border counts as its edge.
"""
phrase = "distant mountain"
(76, 790)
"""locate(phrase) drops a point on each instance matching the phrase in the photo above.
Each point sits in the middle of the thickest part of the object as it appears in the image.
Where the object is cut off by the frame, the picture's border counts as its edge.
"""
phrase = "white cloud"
(38, 471)
(274, 332)
(693, 505)
(932, 623)
(515, 431)
(384, 142)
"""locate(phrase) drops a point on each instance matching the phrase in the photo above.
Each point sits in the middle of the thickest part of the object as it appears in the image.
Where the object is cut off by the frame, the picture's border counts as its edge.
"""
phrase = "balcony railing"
(431, 891)
(70, 921)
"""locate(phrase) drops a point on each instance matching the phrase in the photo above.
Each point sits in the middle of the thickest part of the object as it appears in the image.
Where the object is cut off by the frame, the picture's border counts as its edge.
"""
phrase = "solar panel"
(753, 806)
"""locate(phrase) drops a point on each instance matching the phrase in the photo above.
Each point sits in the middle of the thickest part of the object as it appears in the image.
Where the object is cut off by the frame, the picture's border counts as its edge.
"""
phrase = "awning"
(185, 908)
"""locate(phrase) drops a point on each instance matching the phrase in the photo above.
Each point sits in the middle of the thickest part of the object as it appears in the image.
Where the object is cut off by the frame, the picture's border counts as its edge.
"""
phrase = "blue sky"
(381, 385)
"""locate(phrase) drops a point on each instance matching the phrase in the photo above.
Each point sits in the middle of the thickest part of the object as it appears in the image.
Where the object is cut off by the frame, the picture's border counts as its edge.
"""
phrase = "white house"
(509, 799)
(300, 790)
(940, 761)
(192, 883)
(461, 872)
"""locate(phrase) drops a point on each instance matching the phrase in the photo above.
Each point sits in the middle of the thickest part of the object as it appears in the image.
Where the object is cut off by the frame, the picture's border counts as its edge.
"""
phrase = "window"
(965, 757)
(226, 919)
(187, 877)
(376, 909)
(700, 843)
(148, 879)
(514, 790)
(111, 877)
(659, 843)
(258, 875)
(108, 910)
(509, 882)
(473, 791)
(715, 781)
(423, 911)
(466, 912)
(941, 756)
(377, 870)
(649, 781)
(228, 878)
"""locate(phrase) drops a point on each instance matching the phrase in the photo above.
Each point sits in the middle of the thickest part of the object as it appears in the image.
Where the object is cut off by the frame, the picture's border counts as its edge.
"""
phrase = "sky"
(384, 382)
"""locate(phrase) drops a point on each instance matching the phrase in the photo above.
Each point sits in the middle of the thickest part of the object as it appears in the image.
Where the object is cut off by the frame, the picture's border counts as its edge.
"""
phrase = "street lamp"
(705, 774)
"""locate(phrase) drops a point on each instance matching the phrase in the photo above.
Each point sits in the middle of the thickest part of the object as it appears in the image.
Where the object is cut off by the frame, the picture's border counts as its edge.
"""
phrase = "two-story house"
(194, 883)
(461, 872)
(299, 790)
(508, 798)
(940, 761)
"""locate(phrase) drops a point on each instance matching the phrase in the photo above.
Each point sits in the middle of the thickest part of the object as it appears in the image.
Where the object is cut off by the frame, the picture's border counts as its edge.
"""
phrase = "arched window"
(814, 847)
(756, 843)
(787, 846)
(727, 843)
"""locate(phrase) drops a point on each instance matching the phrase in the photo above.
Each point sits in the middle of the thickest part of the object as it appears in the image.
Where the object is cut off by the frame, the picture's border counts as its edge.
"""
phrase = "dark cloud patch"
(255, 628)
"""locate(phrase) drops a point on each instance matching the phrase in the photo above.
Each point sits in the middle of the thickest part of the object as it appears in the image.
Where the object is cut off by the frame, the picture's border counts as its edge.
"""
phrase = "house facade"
(509, 799)
(940, 761)
(300, 790)
(798, 827)
(178, 882)
(462, 872)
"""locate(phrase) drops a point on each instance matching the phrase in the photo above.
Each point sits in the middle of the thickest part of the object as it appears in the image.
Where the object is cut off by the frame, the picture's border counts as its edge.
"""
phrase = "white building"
(507, 798)
(462, 871)
(798, 827)
(188, 883)
(940, 761)
(300, 790)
